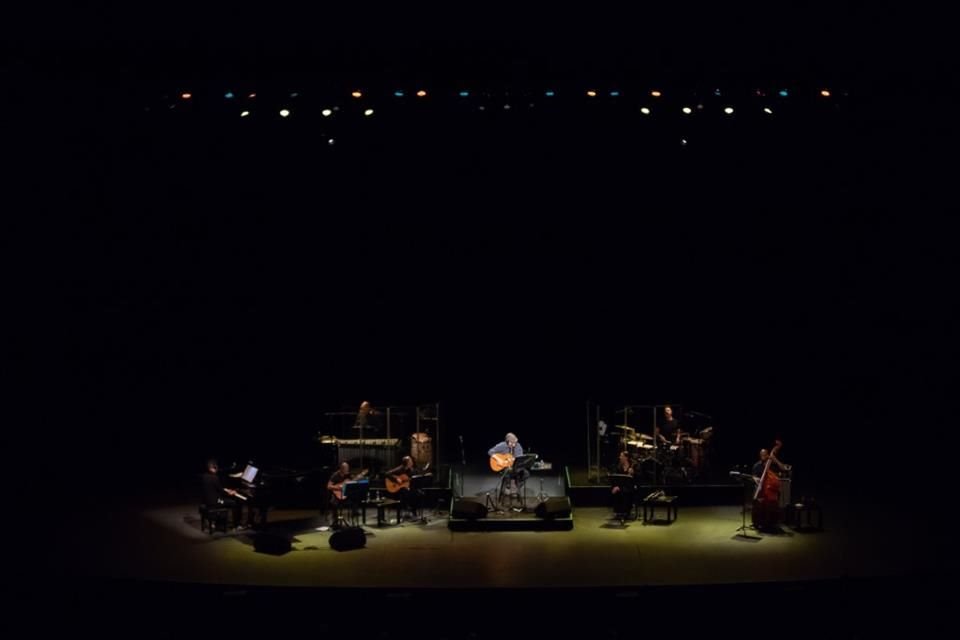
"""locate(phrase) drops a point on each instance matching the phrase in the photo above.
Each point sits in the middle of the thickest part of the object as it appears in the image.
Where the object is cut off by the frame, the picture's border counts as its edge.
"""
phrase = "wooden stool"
(802, 515)
(650, 508)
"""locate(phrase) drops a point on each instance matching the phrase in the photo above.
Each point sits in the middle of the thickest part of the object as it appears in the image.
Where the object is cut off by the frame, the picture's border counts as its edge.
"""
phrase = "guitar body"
(501, 461)
(402, 482)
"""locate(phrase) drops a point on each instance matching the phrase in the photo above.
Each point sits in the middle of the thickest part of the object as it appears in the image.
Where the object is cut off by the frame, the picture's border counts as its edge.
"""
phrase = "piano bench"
(650, 509)
(214, 517)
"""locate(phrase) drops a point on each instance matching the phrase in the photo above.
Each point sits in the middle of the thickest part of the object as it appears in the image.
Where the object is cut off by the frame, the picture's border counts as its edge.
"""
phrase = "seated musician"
(215, 495)
(622, 490)
(335, 486)
(762, 462)
(512, 446)
(409, 499)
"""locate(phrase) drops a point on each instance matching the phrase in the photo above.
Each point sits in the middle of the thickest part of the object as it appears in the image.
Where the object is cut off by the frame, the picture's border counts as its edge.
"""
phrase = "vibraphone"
(384, 450)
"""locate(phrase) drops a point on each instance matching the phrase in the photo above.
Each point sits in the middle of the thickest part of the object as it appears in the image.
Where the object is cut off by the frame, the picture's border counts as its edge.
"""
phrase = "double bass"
(766, 497)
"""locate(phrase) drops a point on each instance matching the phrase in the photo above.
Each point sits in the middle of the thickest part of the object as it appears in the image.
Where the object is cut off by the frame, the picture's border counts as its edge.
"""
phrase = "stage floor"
(164, 543)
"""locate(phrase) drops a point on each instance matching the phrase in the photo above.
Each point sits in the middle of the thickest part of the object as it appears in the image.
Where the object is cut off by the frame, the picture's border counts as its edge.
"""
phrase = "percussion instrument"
(693, 449)
(421, 448)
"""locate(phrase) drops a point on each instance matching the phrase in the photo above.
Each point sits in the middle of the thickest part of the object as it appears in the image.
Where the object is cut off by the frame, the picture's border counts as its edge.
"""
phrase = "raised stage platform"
(479, 503)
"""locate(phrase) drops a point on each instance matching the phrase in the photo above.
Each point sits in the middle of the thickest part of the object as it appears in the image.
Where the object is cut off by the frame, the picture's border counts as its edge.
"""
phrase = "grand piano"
(269, 486)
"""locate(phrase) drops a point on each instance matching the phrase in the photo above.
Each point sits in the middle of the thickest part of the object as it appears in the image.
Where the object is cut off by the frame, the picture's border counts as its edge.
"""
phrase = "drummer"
(669, 431)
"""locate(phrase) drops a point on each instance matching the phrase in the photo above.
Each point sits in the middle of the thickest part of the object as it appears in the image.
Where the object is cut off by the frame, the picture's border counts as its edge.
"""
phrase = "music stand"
(417, 483)
(749, 483)
(355, 492)
(515, 471)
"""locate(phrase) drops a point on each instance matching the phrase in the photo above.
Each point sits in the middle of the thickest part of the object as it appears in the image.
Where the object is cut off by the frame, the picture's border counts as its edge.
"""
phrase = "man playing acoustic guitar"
(335, 485)
(398, 480)
(502, 456)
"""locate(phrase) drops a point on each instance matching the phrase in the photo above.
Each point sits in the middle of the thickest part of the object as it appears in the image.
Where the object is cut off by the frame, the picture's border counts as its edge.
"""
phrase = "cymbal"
(644, 436)
(624, 426)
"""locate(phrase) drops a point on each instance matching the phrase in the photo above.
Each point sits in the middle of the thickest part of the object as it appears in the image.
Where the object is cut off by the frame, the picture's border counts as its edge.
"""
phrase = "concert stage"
(149, 552)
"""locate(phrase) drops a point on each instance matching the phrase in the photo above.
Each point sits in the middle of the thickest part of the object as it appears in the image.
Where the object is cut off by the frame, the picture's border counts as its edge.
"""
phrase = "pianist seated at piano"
(215, 495)
(398, 482)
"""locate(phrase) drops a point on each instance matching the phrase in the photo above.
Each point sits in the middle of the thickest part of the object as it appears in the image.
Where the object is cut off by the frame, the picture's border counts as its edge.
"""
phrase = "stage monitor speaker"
(557, 507)
(272, 542)
(468, 510)
(349, 538)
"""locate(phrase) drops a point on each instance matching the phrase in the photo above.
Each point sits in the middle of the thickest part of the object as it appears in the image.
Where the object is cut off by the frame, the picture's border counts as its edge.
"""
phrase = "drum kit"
(683, 460)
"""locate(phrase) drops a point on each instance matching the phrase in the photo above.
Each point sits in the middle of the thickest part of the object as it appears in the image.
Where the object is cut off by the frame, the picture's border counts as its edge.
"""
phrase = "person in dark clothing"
(623, 489)
(762, 462)
(367, 417)
(217, 496)
(399, 478)
(669, 431)
(335, 486)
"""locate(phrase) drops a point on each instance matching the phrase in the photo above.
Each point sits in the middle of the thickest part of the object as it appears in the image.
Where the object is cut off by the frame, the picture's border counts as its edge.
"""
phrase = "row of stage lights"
(549, 93)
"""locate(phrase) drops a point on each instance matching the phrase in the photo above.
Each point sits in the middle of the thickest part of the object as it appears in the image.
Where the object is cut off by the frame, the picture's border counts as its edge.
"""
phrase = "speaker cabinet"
(554, 508)
(468, 510)
(349, 538)
(272, 542)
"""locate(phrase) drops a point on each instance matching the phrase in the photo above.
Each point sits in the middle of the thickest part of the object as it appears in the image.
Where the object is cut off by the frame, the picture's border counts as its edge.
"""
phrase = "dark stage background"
(200, 285)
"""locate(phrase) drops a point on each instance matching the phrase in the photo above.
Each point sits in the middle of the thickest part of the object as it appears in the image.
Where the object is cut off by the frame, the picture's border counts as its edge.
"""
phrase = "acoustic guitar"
(501, 461)
(402, 482)
(337, 489)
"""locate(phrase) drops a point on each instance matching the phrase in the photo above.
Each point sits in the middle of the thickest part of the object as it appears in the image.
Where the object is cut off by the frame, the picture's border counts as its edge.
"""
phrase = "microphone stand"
(742, 531)
(463, 463)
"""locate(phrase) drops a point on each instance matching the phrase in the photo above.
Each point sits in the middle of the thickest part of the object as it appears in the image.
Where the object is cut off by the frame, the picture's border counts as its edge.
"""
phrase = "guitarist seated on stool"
(502, 456)
(335, 483)
(398, 484)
